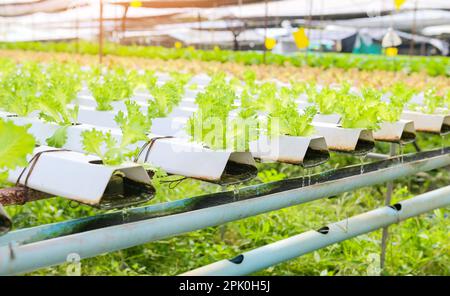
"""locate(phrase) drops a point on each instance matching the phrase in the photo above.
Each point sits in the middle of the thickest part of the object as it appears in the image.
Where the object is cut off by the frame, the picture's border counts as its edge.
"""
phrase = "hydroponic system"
(200, 159)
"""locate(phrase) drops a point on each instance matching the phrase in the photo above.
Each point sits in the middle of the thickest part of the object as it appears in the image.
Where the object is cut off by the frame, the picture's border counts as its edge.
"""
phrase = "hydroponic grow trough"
(401, 131)
(430, 123)
(218, 166)
(327, 118)
(84, 178)
(356, 140)
(305, 151)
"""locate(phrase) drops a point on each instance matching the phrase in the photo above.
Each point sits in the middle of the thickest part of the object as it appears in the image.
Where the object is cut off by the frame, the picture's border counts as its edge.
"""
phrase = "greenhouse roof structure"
(24, 20)
(329, 8)
(185, 3)
(233, 8)
(401, 20)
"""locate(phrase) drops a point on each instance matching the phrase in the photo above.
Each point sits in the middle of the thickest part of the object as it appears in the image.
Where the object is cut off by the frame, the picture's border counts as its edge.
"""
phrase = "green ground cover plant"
(433, 66)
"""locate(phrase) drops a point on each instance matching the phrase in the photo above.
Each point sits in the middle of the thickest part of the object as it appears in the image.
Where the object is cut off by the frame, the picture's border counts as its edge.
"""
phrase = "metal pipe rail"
(398, 167)
(307, 242)
(203, 211)
(377, 156)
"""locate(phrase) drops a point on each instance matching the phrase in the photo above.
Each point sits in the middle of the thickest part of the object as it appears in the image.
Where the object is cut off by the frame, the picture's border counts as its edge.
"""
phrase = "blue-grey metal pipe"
(92, 243)
(306, 242)
(47, 231)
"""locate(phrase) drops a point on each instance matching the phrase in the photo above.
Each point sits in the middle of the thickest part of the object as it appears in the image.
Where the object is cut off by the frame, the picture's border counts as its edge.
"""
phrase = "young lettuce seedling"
(325, 99)
(285, 119)
(249, 78)
(181, 78)
(134, 127)
(210, 124)
(167, 96)
(149, 79)
(431, 104)
(21, 87)
(63, 84)
(108, 86)
(400, 95)
(356, 112)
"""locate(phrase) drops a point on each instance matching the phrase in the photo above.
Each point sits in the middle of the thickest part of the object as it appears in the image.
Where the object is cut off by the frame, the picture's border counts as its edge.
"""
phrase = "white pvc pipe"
(306, 242)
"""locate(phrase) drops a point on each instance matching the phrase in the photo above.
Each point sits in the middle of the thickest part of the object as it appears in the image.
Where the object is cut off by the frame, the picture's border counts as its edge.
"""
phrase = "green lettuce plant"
(134, 126)
(15, 144)
(433, 66)
(21, 88)
(108, 86)
(167, 96)
(63, 84)
(210, 123)
(431, 104)
(286, 120)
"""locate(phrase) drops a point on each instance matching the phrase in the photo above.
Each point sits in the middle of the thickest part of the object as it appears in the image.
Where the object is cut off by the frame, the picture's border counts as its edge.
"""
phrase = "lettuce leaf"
(15, 144)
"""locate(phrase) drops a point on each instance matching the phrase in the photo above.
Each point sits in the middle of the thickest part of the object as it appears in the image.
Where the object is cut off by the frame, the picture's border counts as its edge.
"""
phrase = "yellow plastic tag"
(270, 43)
(135, 3)
(178, 45)
(300, 38)
(391, 51)
(399, 3)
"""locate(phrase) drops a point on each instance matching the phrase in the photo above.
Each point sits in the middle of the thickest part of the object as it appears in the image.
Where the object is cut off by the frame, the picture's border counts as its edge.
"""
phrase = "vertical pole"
(308, 26)
(238, 24)
(387, 202)
(413, 30)
(77, 44)
(266, 11)
(422, 49)
(115, 30)
(100, 34)
(199, 19)
(321, 24)
(235, 41)
(124, 21)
